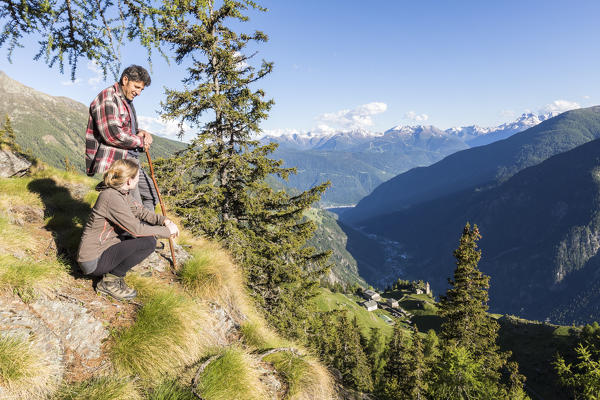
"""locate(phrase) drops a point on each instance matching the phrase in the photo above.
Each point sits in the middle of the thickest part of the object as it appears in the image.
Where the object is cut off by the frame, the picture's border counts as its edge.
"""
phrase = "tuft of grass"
(99, 388)
(293, 368)
(201, 274)
(306, 378)
(23, 371)
(231, 376)
(171, 390)
(17, 361)
(25, 277)
(256, 334)
(168, 333)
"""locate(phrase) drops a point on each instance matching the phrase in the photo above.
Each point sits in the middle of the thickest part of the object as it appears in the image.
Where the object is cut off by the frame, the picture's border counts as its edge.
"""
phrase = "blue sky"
(349, 64)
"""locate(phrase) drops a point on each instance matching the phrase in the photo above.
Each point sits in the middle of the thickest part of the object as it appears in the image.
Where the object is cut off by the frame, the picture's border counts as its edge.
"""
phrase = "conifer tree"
(218, 183)
(582, 375)
(375, 354)
(8, 134)
(467, 327)
(395, 385)
(419, 370)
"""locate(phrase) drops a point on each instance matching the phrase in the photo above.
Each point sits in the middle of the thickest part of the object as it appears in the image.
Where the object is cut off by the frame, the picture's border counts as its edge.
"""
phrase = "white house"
(370, 305)
(392, 302)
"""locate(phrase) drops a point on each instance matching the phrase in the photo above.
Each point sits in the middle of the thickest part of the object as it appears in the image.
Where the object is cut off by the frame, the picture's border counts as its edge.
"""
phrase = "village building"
(392, 302)
(370, 305)
(371, 295)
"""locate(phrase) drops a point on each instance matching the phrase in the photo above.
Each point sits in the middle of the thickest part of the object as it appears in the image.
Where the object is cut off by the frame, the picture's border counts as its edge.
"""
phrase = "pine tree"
(218, 184)
(466, 324)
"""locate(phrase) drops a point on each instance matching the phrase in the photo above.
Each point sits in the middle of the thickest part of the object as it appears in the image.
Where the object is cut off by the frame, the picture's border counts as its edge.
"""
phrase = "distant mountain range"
(358, 161)
(536, 199)
(53, 128)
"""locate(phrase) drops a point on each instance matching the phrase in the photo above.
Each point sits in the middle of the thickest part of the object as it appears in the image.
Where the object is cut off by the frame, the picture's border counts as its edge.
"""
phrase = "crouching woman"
(119, 233)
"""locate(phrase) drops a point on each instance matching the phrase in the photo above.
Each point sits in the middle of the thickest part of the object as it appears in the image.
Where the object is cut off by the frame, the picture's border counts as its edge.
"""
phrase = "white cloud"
(242, 64)
(587, 97)
(280, 132)
(560, 106)
(413, 116)
(70, 82)
(160, 127)
(97, 71)
(356, 118)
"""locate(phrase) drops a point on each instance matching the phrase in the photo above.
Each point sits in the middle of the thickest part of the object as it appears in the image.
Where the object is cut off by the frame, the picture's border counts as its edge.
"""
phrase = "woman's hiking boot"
(116, 287)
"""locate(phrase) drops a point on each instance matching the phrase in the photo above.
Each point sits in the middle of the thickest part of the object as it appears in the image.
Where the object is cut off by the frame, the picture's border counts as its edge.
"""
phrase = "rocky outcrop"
(12, 165)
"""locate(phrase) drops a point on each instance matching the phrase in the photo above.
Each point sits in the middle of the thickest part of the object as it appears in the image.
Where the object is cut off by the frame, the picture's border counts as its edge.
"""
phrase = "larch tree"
(68, 31)
(218, 183)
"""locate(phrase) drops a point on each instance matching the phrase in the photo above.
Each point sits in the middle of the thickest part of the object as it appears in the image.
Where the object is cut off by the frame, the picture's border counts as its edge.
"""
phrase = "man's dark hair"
(137, 74)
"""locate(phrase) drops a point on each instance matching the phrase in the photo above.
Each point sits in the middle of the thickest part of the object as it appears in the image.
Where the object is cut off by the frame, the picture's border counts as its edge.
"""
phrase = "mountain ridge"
(481, 165)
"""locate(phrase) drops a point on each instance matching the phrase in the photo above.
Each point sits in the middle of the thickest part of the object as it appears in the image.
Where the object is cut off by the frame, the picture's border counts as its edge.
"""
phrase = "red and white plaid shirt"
(108, 135)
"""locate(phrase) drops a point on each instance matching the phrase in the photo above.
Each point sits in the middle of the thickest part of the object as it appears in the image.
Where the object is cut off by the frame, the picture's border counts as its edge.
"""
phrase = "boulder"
(12, 164)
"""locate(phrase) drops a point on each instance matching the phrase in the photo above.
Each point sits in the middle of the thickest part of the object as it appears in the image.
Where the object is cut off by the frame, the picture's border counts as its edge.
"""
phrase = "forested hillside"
(540, 230)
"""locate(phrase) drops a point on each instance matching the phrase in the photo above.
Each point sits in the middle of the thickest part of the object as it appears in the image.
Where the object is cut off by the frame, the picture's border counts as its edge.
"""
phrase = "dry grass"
(212, 275)
(169, 333)
(231, 376)
(99, 388)
(24, 372)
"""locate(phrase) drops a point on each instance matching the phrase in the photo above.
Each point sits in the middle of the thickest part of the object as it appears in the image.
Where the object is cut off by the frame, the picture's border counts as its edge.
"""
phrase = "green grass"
(293, 369)
(171, 390)
(167, 333)
(26, 276)
(328, 301)
(101, 388)
(231, 376)
(18, 361)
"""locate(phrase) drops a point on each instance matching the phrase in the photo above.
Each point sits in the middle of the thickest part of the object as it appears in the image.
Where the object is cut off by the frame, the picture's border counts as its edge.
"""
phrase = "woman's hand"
(172, 228)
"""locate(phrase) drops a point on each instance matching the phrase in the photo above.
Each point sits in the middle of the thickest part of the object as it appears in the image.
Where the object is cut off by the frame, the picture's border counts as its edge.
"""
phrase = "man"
(112, 133)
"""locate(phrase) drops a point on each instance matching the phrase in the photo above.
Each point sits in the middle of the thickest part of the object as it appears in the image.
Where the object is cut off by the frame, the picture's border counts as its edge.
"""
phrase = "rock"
(83, 334)
(16, 319)
(12, 165)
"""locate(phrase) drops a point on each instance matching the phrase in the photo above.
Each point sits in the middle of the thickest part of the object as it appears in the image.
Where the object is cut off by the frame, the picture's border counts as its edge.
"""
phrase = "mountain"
(477, 136)
(480, 166)
(358, 161)
(541, 237)
(53, 128)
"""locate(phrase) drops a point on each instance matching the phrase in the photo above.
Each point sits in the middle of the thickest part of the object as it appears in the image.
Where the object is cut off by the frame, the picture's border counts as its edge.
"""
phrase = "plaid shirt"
(108, 135)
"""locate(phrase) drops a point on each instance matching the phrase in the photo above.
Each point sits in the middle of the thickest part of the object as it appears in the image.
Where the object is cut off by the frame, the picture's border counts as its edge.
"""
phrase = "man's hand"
(146, 136)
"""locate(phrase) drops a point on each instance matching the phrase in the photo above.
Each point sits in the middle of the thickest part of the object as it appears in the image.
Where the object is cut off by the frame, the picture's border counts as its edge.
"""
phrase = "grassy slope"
(172, 329)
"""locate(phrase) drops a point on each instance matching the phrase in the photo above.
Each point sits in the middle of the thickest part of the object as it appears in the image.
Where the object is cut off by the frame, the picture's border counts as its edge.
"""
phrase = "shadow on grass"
(66, 217)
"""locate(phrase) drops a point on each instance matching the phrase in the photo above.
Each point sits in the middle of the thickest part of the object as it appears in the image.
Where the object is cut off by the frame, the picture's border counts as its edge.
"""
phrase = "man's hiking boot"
(116, 287)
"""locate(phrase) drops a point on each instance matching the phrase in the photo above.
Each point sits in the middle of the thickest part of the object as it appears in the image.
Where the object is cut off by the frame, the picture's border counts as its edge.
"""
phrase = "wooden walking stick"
(162, 205)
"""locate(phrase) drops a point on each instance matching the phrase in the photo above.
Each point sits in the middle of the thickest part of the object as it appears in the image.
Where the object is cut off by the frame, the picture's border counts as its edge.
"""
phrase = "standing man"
(112, 133)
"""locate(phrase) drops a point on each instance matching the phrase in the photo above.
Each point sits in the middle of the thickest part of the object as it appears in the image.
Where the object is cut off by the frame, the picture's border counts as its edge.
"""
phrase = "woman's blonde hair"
(119, 172)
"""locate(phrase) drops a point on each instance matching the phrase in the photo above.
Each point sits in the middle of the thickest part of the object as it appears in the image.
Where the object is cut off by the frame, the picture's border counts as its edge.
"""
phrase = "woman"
(119, 233)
